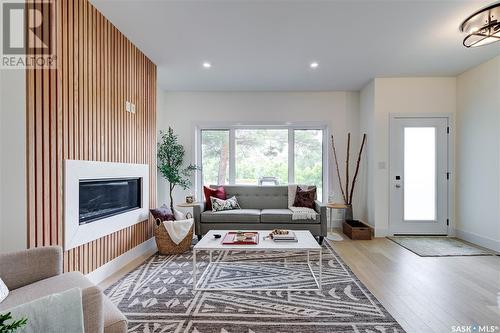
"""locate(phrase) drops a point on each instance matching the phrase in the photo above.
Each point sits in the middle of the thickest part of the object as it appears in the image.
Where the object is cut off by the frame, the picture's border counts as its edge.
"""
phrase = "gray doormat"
(439, 246)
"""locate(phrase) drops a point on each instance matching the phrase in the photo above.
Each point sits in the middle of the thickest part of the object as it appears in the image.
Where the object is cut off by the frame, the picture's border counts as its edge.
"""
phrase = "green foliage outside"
(215, 156)
(13, 326)
(262, 153)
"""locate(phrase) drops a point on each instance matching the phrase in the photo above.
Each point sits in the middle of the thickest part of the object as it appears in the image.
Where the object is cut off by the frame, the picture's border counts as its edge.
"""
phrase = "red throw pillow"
(218, 193)
(305, 198)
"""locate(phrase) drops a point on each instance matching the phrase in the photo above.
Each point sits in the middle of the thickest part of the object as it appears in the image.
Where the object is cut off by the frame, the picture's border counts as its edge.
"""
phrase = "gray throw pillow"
(220, 205)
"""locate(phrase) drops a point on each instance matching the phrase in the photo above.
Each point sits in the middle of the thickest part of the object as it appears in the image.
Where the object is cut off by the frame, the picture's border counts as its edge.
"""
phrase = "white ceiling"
(267, 45)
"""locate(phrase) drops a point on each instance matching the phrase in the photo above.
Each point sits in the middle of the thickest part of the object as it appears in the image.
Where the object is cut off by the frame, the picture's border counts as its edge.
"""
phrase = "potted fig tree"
(171, 163)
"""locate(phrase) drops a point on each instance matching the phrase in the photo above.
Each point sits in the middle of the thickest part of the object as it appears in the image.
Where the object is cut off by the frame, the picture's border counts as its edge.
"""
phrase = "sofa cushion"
(284, 216)
(162, 213)
(219, 205)
(45, 287)
(259, 197)
(59, 312)
(237, 215)
(276, 216)
(305, 198)
(218, 192)
(317, 220)
(112, 316)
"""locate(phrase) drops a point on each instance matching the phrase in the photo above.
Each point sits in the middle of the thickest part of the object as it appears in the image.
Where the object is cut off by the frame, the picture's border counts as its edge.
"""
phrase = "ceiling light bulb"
(206, 64)
(314, 65)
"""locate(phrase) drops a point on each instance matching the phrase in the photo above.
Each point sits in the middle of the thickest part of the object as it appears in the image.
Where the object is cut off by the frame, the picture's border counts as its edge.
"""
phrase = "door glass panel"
(419, 174)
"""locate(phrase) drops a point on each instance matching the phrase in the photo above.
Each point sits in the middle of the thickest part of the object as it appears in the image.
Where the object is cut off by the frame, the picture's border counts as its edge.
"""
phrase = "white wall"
(478, 155)
(367, 113)
(181, 110)
(396, 95)
(13, 224)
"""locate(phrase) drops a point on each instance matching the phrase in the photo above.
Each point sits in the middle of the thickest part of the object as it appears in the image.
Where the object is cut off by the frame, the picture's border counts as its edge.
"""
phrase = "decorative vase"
(348, 213)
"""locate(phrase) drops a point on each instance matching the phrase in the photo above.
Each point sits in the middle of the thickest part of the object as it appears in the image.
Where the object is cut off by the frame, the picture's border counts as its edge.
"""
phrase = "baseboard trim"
(144, 249)
(381, 232)
(474, 238)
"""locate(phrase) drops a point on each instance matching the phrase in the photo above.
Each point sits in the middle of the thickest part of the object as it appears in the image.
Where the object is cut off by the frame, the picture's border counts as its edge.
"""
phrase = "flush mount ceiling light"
(207, 65)
(314, 65)
(482, 27)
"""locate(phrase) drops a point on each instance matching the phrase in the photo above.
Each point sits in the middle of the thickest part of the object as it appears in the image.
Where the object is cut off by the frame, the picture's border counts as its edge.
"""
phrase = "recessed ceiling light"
(206, 64)
(314, 65)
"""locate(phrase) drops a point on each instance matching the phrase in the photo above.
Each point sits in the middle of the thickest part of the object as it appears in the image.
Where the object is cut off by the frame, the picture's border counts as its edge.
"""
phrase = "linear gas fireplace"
(100, 198)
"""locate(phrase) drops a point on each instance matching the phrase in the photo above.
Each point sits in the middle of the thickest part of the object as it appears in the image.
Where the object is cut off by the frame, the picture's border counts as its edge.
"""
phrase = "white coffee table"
(306, 243)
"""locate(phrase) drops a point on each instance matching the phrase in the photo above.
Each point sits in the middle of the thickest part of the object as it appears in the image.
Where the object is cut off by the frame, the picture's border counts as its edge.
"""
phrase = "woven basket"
(166, 245)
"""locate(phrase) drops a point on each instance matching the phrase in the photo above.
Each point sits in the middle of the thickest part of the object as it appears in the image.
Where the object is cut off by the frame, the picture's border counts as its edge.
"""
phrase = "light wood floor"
(422, 294)
(426, 294)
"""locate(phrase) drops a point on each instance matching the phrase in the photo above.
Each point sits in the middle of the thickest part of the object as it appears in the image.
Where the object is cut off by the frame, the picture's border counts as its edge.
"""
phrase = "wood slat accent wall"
(77, 111)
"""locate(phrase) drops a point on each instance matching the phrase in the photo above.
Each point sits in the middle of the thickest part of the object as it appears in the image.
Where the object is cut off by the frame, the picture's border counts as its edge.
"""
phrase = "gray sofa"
(262, 208)
(36, 273)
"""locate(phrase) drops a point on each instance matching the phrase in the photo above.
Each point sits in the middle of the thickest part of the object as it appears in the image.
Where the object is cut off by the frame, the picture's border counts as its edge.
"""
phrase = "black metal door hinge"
(448, 222)
(448, 130)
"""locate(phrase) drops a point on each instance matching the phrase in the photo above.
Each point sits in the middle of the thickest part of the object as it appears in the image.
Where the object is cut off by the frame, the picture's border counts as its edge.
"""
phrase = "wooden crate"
(356, 230)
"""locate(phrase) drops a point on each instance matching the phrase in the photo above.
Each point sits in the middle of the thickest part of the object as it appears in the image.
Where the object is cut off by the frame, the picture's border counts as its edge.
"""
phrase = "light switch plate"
(132, 109)
(127, 106)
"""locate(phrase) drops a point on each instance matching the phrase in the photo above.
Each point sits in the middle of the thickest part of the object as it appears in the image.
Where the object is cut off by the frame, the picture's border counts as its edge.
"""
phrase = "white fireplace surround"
(76, 234)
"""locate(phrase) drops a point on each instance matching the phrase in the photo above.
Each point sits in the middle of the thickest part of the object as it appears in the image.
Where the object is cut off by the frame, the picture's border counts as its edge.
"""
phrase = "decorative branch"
(357, 168)
(338, 172)
(347, 167)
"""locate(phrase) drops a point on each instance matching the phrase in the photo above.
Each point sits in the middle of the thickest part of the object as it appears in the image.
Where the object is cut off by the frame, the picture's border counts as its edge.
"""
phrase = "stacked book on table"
(289, 237)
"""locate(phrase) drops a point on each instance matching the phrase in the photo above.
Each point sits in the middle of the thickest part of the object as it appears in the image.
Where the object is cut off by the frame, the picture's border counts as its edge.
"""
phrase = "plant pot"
(356, 230)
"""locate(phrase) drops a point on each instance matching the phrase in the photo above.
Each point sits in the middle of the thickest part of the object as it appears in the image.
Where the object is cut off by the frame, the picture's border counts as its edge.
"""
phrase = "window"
(215, 156)
(267, 155)
(261, 153)
(309, 158)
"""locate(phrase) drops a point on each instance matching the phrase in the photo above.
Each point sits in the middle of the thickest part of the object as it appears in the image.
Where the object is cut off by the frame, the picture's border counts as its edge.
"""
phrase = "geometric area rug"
(158, 297)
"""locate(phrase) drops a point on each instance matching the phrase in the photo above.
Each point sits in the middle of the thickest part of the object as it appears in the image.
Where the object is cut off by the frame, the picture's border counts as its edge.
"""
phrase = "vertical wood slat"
(77, 111)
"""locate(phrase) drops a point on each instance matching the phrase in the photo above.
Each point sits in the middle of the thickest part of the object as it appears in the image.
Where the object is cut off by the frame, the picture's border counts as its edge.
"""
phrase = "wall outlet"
(127, 106)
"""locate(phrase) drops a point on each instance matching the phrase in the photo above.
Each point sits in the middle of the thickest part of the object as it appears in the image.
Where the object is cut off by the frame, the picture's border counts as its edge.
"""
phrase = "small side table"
(187, 205)
(331, 207)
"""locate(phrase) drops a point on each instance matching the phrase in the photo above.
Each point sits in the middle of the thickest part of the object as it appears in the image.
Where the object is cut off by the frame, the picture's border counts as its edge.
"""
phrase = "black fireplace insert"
(100, 198)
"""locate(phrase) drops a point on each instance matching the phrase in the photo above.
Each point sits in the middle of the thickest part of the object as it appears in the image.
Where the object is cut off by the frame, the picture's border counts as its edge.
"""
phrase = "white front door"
(419, 175)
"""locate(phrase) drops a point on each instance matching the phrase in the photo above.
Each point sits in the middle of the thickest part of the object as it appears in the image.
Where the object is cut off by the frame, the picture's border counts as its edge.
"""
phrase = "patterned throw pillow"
(163, 213)
(218, 192)
(220, 205)
(305, 198)
(4, 291)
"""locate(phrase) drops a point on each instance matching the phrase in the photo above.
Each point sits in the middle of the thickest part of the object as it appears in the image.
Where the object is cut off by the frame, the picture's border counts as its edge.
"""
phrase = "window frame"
(233, 126)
